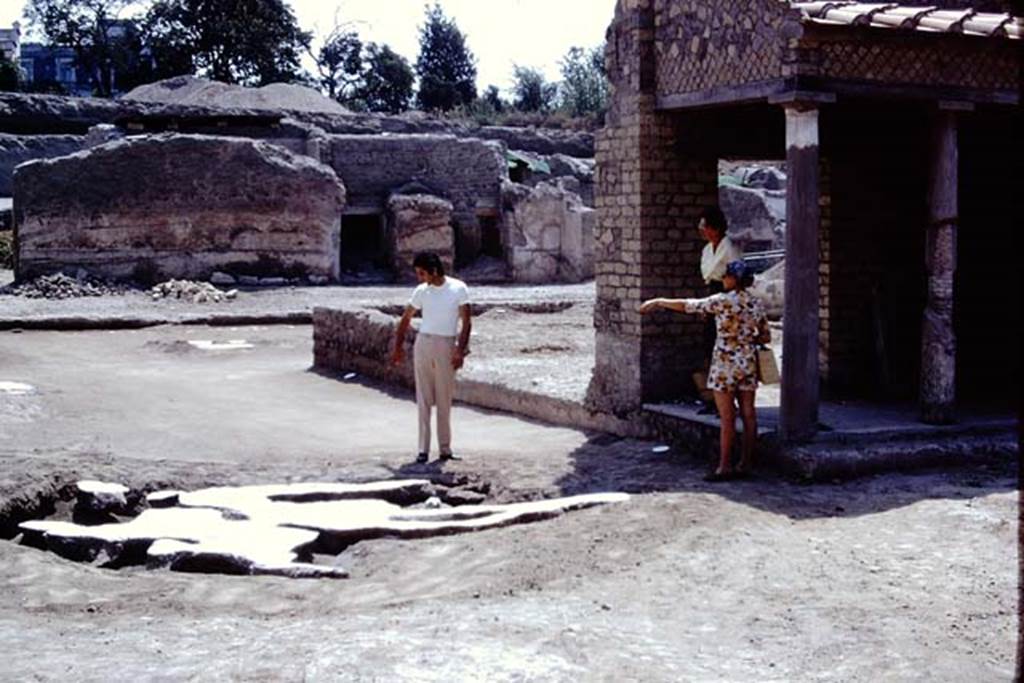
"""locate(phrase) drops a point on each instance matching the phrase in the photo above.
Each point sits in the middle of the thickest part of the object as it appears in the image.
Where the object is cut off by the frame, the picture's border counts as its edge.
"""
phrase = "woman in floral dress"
(741, 325)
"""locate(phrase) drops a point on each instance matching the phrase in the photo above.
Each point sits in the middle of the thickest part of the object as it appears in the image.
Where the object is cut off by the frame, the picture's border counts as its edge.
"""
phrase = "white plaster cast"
(801, 128)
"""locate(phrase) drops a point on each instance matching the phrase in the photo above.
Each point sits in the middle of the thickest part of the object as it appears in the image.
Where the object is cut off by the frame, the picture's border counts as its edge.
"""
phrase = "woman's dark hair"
(430, 262)
(740, 270)
(714, 218)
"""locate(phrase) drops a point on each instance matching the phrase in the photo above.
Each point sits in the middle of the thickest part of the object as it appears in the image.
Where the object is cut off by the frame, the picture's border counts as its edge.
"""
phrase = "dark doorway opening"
(490, 237)
(363, 243)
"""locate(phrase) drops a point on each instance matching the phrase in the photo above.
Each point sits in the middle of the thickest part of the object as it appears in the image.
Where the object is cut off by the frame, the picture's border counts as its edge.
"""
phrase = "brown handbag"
(767, 367)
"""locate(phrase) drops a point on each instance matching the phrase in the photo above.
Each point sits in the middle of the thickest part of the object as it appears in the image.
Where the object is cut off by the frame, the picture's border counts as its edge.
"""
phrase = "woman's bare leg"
(749, 415)
(727, 431)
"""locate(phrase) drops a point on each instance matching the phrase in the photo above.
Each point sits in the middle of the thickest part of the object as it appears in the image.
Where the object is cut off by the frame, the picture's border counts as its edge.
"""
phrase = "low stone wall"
(360, 341)
(178, 206)
(17, 149)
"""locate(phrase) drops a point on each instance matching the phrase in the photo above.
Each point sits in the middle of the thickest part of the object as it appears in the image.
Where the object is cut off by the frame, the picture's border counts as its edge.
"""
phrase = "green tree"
(387, 80)
(249, 42)
(584, 86)
(531, 90)
(492, 96)
(104, 44)
(339, 63)
(445, 66)
(10, 77)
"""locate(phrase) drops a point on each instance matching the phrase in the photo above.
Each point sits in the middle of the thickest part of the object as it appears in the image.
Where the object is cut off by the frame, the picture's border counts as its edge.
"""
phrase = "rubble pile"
(190, 290)
(61, 286)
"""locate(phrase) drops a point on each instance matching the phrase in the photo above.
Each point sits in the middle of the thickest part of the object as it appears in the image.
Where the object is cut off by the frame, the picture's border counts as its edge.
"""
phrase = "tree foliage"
(248, 42)
(492, 97)
(531, 91)
(366, 77)
(584, 86)
(445, 66)
(339, 63)
(387, 82)
(103, 43)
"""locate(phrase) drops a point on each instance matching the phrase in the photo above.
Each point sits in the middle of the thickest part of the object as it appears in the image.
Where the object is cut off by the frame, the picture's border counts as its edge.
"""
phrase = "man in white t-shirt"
(440, 348)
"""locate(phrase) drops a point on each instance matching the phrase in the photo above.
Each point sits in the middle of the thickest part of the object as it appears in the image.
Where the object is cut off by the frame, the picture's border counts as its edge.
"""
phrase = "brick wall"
(649, 197)
(873, 251)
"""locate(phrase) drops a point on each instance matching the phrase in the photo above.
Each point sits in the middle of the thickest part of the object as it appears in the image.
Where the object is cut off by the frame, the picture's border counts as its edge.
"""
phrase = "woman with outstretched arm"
(741, 325)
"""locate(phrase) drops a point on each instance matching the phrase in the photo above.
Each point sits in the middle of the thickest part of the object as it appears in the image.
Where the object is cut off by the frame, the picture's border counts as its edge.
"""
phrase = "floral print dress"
(739, 319)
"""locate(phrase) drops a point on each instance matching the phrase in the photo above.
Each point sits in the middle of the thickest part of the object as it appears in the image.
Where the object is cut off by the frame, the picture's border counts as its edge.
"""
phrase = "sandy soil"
(891, 578)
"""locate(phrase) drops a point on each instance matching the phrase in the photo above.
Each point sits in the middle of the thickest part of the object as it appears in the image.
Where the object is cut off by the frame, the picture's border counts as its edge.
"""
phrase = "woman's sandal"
(715, 475)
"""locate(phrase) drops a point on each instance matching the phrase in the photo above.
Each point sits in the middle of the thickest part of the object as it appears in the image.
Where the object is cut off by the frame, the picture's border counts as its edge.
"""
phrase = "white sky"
(500, 33)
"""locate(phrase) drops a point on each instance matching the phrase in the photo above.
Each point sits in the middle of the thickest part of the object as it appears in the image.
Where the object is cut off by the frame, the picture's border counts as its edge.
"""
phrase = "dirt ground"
(896, 577)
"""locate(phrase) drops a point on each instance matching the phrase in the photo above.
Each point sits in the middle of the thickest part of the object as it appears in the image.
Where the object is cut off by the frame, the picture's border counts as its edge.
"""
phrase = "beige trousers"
(435, 387)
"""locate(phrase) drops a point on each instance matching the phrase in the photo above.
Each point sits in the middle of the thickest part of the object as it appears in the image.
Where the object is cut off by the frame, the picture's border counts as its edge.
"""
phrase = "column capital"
(802, 100)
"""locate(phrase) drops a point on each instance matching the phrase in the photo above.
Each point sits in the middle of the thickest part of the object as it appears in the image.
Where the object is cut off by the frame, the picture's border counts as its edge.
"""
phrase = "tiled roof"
(930, 19)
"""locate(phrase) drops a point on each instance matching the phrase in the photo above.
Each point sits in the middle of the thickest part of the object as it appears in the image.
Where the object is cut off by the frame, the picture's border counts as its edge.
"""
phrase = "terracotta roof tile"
(923, 18)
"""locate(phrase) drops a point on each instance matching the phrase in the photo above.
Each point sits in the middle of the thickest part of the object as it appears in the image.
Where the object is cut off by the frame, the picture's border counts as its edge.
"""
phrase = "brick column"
(648, 197)
(938, 339)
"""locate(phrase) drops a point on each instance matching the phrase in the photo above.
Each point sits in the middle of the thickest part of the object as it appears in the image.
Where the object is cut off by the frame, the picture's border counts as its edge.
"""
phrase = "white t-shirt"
(439, 306)
(713, 261)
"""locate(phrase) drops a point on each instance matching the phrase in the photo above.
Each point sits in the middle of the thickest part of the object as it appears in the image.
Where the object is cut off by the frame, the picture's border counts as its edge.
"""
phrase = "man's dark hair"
(430, 262)
(714, 218)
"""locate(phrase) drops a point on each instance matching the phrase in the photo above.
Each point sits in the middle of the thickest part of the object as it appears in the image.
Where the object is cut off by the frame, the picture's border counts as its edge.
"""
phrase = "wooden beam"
(738, 94)
(938, 338)
(800, 390)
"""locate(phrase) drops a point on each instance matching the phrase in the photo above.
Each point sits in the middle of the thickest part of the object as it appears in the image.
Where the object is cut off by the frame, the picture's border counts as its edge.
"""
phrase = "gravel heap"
(189, 90)
(190, 290)
(61, 286)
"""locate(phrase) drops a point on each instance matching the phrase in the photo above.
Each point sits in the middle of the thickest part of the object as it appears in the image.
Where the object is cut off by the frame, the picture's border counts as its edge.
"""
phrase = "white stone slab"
(229, 345)
(16, 388)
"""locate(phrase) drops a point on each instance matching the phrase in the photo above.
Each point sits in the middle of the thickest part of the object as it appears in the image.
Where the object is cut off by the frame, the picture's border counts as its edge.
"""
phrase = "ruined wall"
(17, 149)
(550, 234)
(466, 172)
(182, 206)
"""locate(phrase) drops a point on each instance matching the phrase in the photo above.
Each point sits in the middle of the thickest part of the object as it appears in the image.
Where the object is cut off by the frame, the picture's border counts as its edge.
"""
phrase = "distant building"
(10, 42)
(54, 68)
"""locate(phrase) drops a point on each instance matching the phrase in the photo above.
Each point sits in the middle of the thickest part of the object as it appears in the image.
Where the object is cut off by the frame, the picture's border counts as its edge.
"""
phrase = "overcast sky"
(535, 33)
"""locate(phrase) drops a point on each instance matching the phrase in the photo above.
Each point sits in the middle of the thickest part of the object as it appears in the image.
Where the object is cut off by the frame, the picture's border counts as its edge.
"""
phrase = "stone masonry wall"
(17, 149)
(987, 63)
(466, 172)
(178, 206)
(704, 44)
